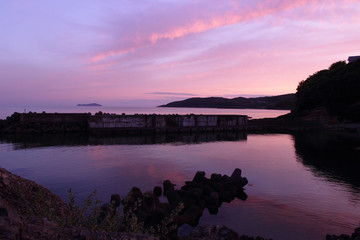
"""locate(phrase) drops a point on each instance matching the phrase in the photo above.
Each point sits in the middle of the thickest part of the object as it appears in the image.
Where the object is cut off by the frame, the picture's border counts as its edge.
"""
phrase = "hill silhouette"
(284, 102)
(334, 91)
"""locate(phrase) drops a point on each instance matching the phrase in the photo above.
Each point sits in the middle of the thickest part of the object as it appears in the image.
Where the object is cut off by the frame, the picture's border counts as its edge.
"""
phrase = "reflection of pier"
(161, 138)
(78, 139)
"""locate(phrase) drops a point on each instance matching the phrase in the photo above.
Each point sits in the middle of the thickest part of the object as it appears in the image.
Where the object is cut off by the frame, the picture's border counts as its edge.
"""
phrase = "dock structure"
(137, 123)
(167, 123)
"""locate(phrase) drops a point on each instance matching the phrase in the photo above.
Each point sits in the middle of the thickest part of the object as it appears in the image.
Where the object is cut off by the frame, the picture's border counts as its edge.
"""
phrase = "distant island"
(282, 102)
(89, 105)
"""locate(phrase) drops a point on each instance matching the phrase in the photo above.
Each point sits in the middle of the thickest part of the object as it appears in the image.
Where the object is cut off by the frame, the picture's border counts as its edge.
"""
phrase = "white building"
(353, 58)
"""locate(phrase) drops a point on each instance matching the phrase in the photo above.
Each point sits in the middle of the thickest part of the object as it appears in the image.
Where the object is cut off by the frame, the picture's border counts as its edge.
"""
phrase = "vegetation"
(335, 90)
(107, 217)
(92, 215)
(132, 224)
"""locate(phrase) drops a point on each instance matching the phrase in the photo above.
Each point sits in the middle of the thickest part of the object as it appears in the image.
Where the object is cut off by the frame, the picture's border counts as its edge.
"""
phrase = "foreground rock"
(185, 205)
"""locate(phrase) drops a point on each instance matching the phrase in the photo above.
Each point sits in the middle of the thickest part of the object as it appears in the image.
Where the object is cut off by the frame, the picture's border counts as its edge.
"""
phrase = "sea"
(302, 185)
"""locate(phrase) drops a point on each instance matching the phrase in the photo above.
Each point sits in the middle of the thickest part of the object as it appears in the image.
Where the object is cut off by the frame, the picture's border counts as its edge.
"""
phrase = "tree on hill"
(336, 90)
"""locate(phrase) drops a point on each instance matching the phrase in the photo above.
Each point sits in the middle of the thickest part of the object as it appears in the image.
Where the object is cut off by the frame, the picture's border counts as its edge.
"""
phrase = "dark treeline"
(335, 90)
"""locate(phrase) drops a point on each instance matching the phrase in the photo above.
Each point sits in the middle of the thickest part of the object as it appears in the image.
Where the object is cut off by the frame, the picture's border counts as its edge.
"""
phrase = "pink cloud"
(226, 47)
(178, 28)
(102, 56)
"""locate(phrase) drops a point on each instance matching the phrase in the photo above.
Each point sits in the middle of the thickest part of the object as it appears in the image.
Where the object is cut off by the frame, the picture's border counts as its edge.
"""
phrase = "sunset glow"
(120, 53)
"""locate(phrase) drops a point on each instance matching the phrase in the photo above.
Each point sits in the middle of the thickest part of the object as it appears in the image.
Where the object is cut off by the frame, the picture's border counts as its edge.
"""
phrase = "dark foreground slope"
(285, 102)
(29, 211)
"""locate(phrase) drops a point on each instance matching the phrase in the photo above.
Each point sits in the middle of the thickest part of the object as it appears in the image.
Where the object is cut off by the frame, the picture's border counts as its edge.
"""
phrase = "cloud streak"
(198, 23)
(135, 50)
(172, 93)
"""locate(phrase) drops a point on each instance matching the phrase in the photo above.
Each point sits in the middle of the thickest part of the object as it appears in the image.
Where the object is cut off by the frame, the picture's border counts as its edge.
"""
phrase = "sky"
(146, 53)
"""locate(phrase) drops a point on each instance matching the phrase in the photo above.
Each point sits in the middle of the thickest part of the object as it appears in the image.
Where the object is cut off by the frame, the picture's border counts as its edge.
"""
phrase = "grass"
(106, 217)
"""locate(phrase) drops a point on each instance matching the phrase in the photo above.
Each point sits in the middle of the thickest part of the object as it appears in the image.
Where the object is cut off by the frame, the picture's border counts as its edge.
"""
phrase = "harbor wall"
(167, 123)
(54, 117)
(112, 123)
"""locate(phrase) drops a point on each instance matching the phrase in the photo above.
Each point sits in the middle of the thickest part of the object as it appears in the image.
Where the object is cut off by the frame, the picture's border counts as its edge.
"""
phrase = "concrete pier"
(137, 123)
(166, 123)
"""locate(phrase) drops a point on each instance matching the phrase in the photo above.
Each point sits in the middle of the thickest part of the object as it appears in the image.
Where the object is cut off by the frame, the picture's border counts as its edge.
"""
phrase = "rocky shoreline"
(30, 211)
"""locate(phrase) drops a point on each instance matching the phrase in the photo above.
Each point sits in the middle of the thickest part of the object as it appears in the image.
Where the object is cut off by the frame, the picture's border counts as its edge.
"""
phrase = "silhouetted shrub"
(336, 90)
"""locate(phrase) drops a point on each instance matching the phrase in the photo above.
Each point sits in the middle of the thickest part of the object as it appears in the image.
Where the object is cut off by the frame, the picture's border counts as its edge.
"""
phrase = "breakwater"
(113, 123)
(166, 123)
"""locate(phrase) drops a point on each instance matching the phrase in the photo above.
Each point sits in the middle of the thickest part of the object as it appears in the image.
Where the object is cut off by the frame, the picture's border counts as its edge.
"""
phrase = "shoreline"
(139, 124)
(288, 123)
(30, 211)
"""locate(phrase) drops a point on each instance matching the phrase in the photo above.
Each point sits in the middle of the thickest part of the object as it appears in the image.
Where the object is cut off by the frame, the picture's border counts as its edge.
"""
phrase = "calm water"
(254, 113)
(301, 186)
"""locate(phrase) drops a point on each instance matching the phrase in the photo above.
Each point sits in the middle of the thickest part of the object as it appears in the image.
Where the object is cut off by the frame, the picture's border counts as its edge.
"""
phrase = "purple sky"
(123, 53)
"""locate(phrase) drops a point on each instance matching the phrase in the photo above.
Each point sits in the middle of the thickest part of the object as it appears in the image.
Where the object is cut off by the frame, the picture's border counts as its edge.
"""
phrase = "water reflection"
(46, 140)
(301, 186)
(331, 155)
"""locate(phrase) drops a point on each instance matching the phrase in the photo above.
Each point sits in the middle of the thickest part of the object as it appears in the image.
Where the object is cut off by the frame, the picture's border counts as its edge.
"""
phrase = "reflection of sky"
(285, 198)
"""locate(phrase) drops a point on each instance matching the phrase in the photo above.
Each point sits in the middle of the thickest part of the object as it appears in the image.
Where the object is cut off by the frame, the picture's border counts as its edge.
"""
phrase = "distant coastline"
(280, 102)
(89, 105)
